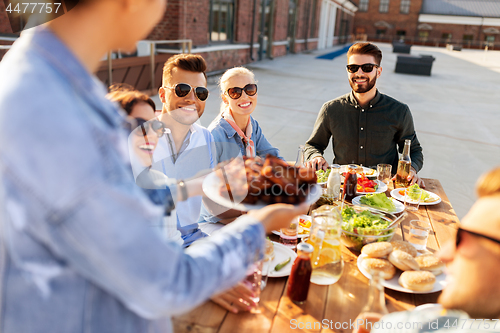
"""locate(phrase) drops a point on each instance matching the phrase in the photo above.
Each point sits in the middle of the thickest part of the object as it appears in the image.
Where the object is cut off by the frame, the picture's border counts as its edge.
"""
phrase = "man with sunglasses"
(186, 148)
(471, 298)
(365, 126)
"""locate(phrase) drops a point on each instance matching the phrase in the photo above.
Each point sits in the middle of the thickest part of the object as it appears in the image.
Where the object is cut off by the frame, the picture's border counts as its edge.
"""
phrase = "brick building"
(235, 32)
(473, 23)
(229, 33)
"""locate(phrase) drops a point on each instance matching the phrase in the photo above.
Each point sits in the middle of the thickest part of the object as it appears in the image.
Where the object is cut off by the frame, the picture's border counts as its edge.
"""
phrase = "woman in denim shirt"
(236, 133)
(234, 130)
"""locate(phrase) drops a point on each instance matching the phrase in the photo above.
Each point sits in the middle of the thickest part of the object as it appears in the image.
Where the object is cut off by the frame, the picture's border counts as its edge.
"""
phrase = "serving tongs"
(396, 221)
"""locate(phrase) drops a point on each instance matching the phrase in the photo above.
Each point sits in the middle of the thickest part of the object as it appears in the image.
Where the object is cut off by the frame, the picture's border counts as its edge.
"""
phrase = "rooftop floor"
(456, 110)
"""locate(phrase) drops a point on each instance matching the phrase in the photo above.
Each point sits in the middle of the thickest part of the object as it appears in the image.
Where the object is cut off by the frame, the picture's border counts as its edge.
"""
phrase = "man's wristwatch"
(184, 191)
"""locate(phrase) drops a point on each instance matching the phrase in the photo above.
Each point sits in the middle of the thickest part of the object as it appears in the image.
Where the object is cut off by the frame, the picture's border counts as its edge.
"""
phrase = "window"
(381, 32)
(467, 38)
(423, 35)
(221, 20)
(446, 36)
(384, 6)
(363, 5)
(401, 35)
(490, 39)
(405, 7)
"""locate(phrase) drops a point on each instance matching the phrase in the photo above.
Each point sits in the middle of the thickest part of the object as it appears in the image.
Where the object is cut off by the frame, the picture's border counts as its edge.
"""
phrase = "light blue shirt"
(77, 253)
(195, 155)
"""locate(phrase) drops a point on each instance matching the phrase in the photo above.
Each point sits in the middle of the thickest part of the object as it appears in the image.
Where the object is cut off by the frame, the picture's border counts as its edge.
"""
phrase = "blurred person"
(186, 148)
(365, 126)
(145, 131)
(77, 252)
(473, 257)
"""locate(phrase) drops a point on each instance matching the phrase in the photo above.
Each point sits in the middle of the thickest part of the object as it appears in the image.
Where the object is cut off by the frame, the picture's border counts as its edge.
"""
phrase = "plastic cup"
(384, 173)
(253, 280)
(419, 233)
(412, 198)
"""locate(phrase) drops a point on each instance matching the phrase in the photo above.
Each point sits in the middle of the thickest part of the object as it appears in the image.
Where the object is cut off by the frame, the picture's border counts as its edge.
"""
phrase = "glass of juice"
(326, 259)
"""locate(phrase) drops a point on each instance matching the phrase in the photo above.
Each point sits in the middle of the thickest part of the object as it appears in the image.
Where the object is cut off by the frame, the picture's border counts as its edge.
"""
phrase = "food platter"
(394, 284)
(396, 195)
(382, 187)
(212, 184)
(399, 206)
(281, 253)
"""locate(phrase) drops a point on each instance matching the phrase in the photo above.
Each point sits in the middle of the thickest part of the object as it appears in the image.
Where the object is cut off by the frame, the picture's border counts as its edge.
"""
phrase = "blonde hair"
(489, 183)
(230, 73)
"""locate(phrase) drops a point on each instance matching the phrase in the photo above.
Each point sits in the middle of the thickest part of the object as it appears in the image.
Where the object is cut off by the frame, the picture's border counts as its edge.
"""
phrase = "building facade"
(471, 24)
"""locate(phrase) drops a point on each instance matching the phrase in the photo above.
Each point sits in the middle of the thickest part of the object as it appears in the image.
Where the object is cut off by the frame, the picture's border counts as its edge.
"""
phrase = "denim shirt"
(77, 253)
(229, 144)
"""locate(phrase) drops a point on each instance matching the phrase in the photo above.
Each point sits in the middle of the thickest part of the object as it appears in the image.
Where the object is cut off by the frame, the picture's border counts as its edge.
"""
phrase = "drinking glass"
(326, 259)
(419, 232)
(384, 173)
(288, 236)
(412, 198)
(253, 279)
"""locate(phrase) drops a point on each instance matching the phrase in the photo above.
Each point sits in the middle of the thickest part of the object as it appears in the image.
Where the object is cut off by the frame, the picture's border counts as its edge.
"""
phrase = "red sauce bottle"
(350, 183)
(300, 277)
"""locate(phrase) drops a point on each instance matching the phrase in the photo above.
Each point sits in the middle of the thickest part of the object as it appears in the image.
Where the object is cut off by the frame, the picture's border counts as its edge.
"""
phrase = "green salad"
(358, 227)
(378, 200)
(414, 196)
(322, 175)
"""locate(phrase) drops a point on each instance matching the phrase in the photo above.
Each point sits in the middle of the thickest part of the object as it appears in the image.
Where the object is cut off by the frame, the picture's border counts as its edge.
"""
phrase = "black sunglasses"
(461, 231)
(367, 68)
(183, 89)
(143, 127)
(236, 92)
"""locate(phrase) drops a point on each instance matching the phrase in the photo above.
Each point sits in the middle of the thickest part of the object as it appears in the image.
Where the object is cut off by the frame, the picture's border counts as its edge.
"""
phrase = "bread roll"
(377, 250)
(405, 247)
(430, 263)
(403, 261)
(386, 269)
(417, 280)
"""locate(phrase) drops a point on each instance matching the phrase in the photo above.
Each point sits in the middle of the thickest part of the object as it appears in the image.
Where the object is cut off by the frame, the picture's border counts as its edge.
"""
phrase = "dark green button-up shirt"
(365, 136)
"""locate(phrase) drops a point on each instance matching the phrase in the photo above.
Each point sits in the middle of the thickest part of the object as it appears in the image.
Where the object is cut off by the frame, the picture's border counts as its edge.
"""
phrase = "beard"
(364, 87)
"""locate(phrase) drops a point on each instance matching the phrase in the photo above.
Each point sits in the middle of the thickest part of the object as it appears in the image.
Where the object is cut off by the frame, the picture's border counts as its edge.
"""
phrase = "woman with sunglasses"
(235, 131)
(145, 132)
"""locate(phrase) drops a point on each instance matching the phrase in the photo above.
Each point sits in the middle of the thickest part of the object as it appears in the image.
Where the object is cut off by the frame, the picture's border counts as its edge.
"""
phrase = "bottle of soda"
(404, 165)
(300, 276)
(350, 183)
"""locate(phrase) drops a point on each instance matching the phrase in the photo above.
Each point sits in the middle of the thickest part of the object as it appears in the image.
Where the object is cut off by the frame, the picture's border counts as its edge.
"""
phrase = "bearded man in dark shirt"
(365, 126)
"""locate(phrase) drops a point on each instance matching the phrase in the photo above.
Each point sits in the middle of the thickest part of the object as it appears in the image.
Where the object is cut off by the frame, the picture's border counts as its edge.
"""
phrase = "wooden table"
(336, 304)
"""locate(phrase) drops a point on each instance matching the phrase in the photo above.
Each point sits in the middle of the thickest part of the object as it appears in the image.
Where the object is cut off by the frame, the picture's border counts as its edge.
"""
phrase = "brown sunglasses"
(461, 231)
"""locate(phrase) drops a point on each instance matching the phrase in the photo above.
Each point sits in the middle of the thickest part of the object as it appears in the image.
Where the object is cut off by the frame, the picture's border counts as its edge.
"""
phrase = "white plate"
(394, 284)
(211, 187)
(399, 206)
(395, 194)
(370, 173)
(382, 187)
(281, 253)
